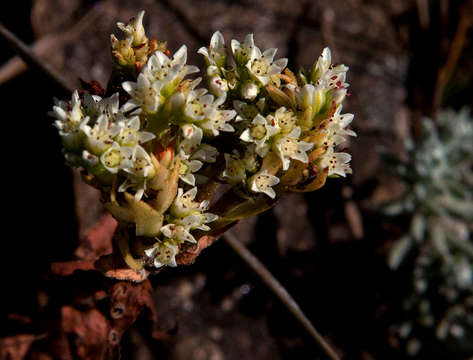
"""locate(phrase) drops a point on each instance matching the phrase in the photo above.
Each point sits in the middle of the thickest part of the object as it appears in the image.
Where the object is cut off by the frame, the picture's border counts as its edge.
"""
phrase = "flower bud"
(249, 91)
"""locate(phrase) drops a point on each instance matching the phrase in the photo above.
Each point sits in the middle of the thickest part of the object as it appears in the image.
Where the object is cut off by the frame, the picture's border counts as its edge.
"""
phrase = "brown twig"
(32, 60)
(279, 291)
(49, 43)
(456, 47)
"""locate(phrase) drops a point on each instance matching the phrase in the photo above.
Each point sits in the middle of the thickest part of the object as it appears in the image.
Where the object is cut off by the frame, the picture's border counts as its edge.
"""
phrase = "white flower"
(134, 29)
(249, 91)
(187, 168)
(311, 96)
(100, 136)
(122, 51)
(216, 54)
(69, 120)
(169, 70)
(192, 137)
(187, 214)
(242, 52)
(286, 119)
(219, 122)
(263, 182)
(289, 147)
(329, 77)
(144, 94)
(139, 170)
(179, 229)
(197, 221)
(179, 233)
(142, 166)
(336, 130)
(262, 66)
(185, 205)
(88, 159)
(163, 253)
(130, 134)
(336, 162)
(259, 132)
(200, 105)
(95, 106)
(218, 86)
(323, 62)
(117, 157)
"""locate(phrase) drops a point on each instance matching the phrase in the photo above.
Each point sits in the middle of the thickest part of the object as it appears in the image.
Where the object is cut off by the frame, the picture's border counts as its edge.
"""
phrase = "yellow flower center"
(260, 67)
(258, 132)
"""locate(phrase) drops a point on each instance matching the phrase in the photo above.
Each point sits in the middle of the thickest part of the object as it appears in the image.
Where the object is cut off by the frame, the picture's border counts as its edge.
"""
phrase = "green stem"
(125, 251)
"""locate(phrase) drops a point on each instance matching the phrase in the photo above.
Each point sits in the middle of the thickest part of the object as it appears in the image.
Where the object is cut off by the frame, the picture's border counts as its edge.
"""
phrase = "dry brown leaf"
(91, 331)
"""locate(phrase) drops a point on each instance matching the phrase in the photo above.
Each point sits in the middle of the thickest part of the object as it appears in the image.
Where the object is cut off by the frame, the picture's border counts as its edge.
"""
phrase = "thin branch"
(279, 291)
(33, 61)
(456, 47)
(49, 43)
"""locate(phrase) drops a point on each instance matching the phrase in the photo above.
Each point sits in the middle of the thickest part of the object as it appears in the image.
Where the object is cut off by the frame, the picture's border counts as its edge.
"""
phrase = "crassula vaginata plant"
(439, 201)
(157, 144)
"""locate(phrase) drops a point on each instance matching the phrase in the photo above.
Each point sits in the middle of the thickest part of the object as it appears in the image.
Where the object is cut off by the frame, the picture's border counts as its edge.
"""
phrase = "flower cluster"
(158, 144)
(439, 199)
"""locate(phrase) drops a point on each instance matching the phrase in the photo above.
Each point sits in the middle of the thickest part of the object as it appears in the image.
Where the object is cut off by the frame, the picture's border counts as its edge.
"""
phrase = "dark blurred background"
(328, 248)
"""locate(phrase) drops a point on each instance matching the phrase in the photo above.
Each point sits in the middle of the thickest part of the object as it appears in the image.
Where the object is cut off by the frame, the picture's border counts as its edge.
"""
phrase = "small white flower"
(323, 62)
(197, 221)
(329, 77)
(263, 182)
(336, 129)
(289, 147)
(100, 136)
(141, 166)
(88, 159)
(286, 119)
(242, 52)
(163, 253)
(185, 205)
(191, 138)
(187, 168)
(69, 120)
(95, 106)
(200, 105)
(262, 65)
(117, 157)
(168, 70)
(134, 29)
(179, 233)
(144, 94)
(130, 134)
(259, 132)
(219, 122)
(139, 171)
(311, 96)
(218, 86)
(249, 91)
(336, 162)
(216, 54)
